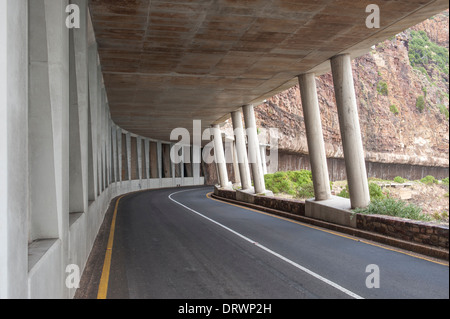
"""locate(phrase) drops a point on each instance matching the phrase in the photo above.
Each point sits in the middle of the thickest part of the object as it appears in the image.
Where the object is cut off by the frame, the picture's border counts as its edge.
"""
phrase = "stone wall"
(292, 206)
(413, 231)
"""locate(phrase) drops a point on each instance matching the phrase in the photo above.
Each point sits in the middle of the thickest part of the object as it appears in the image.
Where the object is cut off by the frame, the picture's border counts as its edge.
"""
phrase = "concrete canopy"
(166, 63)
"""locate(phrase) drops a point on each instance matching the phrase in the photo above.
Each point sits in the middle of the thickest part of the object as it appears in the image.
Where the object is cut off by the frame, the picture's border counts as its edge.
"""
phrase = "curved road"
(181, 244)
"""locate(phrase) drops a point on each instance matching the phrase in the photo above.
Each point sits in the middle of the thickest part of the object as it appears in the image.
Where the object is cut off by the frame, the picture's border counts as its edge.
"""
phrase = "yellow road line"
(328, 231)
(103, 286)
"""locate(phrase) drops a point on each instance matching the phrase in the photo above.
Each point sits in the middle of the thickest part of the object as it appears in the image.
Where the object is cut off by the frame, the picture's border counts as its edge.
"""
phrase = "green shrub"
(393, 207)
(444, 110)
(306, 191)
(420, 103)
(424, 90)
(440, 216)
(374, 190)
(423, 52)
(394, 109)
(445, 181)
(428, 180)
(288, 182)
(399, 180)
(300, 177)
(344, 193)
(382, 88)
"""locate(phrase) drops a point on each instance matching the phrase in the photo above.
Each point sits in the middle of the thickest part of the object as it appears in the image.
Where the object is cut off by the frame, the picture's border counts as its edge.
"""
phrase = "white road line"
(306, 270)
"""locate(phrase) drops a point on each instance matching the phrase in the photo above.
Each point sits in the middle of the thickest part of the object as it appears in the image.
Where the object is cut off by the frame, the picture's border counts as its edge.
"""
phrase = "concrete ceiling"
(166, 63)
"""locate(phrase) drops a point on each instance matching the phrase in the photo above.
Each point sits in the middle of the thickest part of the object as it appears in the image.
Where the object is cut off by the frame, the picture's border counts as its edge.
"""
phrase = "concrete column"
(350, 130)
(114, 153)
(263, 158)
(147, 158)
(128, 163)
(253, 149)
(159, 156)
(119, 154)
(187, 155)
(196, 162)
(237, 174)
(91, 185)
(80, 41)
(167, 163)
(314, 135)
(14, 205)
(154, 171)
(182, 166)
(94, 186)
(220, 157)
(241, 150)
(173, 170)
(140, 160)
(76, 200)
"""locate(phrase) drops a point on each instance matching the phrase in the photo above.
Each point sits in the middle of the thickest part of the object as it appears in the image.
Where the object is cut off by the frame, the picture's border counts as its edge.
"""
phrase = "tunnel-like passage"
(86, 113)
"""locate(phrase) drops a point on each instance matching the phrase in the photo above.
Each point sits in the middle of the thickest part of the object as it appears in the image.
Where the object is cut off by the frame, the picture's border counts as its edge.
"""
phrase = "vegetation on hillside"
(423, 52)
(299, 185)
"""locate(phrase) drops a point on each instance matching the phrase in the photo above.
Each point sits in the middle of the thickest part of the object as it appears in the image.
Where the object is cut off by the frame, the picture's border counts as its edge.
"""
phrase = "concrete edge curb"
(402, 244)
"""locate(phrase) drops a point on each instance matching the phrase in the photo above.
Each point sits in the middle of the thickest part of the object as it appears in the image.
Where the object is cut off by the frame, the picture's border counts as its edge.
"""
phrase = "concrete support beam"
(167, 163)
(139, 155)
(254, 154)
(237, 174)
(147, 158)
(220, 157)
(115, 175)
(263, 149)
(350, 130)
(93, 115)
(90, 160)
(119, 154)
(154, 171)
(188, 160)
(128, 158)
(13, 149)
(159, 151)
(314, 135)
(241, 150)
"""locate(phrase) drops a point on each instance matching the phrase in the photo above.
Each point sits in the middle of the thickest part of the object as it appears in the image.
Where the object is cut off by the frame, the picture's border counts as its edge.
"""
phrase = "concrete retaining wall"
(336, 169)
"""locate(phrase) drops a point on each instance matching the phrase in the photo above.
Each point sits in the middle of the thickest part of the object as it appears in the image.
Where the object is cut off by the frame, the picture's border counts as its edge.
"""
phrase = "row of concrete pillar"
(349, 128)
(248, 155)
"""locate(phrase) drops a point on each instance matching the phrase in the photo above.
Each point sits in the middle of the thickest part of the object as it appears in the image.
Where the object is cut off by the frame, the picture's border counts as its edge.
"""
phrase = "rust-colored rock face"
(401, 134)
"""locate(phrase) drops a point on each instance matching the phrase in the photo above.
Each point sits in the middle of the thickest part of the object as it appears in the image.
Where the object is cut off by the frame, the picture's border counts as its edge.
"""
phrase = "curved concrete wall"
(62, 158)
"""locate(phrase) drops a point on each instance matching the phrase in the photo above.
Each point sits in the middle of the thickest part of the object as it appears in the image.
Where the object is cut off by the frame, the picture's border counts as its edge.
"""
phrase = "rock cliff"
(403, 109)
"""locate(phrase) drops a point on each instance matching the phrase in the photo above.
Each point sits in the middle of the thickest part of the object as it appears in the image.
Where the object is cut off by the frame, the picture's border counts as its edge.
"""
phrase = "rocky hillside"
(403, 101)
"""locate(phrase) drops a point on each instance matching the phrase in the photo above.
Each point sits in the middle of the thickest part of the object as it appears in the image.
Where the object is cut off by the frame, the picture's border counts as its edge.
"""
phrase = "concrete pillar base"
(335, 210)
(248, 195)
(228, 186)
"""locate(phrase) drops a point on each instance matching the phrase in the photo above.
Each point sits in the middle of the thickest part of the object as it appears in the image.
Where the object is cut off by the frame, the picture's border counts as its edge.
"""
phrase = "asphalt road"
(180, 244)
